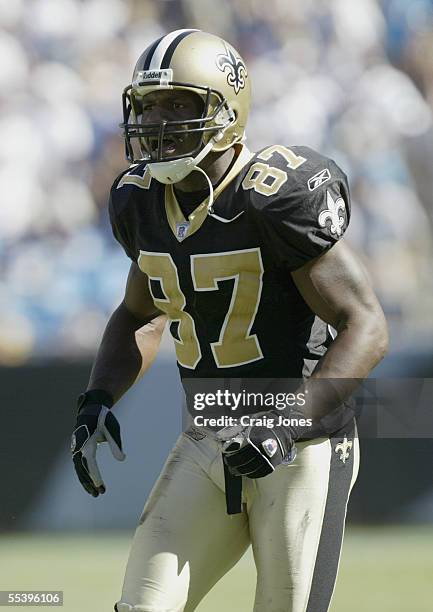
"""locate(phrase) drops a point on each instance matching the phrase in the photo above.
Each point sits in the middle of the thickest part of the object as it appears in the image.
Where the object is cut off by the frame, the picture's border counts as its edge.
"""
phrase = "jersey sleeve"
(118, 220)
(309, 213)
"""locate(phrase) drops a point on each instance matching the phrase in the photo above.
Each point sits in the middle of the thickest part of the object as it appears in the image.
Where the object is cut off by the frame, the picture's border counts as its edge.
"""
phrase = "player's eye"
(178, 105)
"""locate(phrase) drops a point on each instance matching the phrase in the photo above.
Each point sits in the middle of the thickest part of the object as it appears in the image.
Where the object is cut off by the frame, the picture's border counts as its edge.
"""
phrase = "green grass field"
(382, 570)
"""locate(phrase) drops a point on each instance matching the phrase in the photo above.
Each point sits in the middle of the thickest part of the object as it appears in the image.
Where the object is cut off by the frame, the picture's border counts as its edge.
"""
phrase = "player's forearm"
(120, 360)
(360, 345)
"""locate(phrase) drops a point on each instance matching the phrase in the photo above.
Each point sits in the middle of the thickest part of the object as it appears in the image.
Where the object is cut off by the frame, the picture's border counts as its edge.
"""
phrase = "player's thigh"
(184, 541)
(297, 517)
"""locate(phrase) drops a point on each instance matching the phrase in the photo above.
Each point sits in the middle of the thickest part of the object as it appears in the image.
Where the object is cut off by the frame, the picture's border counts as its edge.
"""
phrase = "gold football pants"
(293, 518)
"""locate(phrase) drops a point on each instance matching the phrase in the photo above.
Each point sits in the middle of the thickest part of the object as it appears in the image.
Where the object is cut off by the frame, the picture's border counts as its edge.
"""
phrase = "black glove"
(255, 451)
(95, 424)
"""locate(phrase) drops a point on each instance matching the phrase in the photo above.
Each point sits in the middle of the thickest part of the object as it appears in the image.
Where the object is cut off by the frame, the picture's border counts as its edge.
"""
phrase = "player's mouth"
(169, 146)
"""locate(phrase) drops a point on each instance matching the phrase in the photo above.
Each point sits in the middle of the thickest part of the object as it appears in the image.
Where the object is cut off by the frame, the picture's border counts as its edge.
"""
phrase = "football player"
(242, 253)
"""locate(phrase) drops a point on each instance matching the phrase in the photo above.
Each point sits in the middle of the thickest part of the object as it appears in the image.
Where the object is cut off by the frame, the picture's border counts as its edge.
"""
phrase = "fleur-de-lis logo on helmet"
(332, 214)
(234, 68)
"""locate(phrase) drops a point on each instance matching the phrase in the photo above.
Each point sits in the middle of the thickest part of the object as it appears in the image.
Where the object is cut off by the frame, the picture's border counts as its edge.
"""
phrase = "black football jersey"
(224, 278)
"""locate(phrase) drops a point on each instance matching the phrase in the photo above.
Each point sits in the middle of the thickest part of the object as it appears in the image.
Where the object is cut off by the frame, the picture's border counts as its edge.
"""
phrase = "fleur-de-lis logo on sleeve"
(332, 214)
(234, 68)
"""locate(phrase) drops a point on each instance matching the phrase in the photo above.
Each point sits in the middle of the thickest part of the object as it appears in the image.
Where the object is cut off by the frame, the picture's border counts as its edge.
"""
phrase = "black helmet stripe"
(150, 54)
(172, 48)
(162, 54)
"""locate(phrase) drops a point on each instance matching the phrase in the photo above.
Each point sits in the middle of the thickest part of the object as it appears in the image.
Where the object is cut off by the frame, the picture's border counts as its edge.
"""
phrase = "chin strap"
(211, 190)
(199, 158)
(176, 170)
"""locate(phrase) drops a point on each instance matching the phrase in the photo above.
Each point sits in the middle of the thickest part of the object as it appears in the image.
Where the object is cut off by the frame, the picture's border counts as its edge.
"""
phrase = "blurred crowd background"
(351, 79)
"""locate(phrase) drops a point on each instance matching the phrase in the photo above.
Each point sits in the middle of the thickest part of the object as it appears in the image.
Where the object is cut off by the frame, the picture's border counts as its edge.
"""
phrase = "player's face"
(171, 105)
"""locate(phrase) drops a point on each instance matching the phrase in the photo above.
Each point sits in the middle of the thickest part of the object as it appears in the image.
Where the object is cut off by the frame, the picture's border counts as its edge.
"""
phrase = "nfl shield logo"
(181, 230)
(270, 447)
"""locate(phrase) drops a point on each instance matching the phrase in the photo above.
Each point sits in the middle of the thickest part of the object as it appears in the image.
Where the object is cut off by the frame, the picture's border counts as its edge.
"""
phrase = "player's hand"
(95, 424)
(257, 450)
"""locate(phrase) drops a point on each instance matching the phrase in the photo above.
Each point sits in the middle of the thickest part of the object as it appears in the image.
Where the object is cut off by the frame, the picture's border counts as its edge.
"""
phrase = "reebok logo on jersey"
(318, 179)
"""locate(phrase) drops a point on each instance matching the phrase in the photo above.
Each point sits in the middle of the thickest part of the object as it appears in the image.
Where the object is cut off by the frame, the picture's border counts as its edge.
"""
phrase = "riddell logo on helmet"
(163, 76)
(152, 74)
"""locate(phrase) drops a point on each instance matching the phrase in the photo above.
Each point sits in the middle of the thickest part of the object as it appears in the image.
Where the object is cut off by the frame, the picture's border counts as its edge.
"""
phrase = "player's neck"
(216, 165)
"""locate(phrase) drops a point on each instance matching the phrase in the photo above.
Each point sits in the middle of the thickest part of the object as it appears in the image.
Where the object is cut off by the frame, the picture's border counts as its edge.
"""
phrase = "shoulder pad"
(137, 175)
(301, 199)
(121, 195)
(304, 168)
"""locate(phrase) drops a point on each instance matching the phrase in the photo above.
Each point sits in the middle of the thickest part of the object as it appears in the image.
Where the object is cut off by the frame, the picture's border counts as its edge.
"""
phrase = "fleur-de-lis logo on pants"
(332, 213)
(234, 68)
(344, 448)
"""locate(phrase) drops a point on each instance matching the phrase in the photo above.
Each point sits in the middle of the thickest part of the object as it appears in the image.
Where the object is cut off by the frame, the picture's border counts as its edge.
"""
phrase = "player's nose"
(161, 113)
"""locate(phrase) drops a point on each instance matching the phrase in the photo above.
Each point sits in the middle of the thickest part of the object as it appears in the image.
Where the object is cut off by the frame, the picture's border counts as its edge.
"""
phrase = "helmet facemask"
(145, 141)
